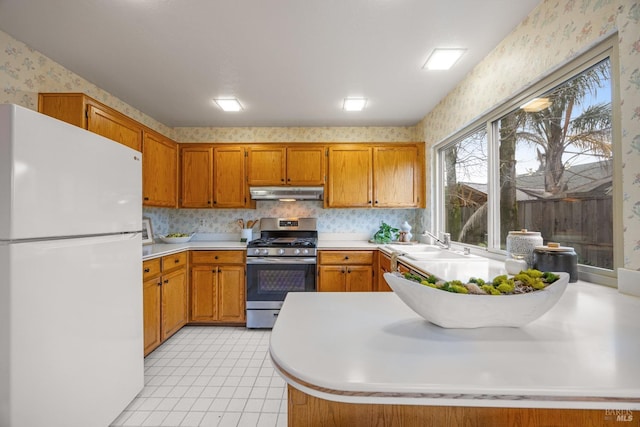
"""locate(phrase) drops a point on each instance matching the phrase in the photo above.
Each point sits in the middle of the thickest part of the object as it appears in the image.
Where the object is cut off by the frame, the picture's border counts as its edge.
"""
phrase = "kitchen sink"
(410, 249)
(424, 252)
(442, 255)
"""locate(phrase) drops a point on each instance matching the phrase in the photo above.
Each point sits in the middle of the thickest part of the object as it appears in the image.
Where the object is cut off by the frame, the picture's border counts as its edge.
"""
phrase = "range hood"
(286, 193)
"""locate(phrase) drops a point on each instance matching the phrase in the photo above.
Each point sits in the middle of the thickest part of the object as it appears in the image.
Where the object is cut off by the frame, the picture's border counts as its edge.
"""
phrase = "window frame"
(563, 73)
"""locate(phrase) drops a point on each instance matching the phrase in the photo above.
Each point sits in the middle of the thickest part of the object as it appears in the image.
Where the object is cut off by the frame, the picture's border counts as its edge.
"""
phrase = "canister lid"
(524, 232)
(554, 247)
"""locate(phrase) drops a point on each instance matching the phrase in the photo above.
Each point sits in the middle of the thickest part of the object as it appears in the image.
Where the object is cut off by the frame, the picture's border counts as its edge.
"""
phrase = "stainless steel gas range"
(282, 260)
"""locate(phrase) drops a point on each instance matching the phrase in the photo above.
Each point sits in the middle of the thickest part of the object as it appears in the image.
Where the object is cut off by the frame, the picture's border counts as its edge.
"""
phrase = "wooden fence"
(584, 224)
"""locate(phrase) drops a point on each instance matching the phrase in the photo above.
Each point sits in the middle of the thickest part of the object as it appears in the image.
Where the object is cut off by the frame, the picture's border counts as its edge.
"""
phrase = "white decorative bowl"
(451, 310)
(176, 239)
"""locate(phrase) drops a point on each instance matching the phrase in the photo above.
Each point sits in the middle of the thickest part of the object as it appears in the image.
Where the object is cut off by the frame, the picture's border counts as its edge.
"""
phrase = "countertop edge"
(539, 396)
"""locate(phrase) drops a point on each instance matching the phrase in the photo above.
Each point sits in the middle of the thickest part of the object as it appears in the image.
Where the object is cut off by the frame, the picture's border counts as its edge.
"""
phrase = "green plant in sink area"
(385, 234)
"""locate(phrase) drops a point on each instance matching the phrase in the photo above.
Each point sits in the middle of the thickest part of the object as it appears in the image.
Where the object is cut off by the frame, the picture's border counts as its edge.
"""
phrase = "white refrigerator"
(71, 350)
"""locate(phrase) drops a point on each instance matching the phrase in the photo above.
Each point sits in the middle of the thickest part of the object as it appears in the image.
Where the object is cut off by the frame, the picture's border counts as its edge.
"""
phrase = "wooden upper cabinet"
(159, 171)
(266, 165)
(87, 113)
(306, 165)
(113, 125)
(396, 177)
(349, 182)
(302, 165)
(213, 176)
(196, 176)
(229, 186)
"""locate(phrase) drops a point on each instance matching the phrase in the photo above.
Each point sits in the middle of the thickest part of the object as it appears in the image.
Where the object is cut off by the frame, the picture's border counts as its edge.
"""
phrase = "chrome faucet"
(445, 243)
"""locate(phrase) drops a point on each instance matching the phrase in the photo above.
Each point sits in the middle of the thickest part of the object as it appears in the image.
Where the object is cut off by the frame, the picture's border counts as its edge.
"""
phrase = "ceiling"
(289, 62)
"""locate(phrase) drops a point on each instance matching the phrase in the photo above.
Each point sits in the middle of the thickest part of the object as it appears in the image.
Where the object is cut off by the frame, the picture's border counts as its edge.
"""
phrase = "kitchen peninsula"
(367, 359)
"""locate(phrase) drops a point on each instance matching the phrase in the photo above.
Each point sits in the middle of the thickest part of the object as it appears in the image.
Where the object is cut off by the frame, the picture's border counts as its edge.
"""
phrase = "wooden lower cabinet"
(165, 298)
(217, 287)
(151, 301)
(384, 266)
(306, 410)
(174, 302)
(346, 271)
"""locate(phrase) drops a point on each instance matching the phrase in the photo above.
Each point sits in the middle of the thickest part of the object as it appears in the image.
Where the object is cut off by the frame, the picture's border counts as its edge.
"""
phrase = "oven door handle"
(278, 260)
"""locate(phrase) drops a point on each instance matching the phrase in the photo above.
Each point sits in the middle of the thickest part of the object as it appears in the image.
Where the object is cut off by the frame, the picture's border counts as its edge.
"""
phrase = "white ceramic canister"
(521, 244)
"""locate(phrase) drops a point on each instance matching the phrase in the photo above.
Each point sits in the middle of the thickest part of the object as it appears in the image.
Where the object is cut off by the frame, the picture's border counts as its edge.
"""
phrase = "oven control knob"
(265, 251)
(305, 251)
(297, 251)
(256, 251)
(280, 251)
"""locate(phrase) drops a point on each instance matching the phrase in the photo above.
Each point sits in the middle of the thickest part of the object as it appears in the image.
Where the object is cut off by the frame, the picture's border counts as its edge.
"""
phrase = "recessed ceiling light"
(228, 104)
(536, 105)
(354, 104)
(443, 59)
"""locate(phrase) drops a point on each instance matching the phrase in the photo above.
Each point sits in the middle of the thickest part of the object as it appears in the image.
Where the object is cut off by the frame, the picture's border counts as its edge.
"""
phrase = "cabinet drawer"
(174, 261)
(150, 268)
(345, 257)
(217, 257)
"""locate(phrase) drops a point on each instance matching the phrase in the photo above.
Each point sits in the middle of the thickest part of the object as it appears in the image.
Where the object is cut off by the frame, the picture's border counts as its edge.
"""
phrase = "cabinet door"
(151, 300)
(159, 171)
(306, 165)
(113, 126)
(384, 266)
(349, 181)
(174, 302)
(266, 165)
(231, 293)
(395, 177)
(204, 293)
(229, 187)
(331, 278)
(196, 177)
(359, 278)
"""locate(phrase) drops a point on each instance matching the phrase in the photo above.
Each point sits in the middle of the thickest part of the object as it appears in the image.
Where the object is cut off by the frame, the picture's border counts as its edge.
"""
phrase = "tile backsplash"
(330, 221)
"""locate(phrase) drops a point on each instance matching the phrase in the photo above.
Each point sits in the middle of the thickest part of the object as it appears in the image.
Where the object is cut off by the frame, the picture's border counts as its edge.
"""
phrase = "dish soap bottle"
(406, 228)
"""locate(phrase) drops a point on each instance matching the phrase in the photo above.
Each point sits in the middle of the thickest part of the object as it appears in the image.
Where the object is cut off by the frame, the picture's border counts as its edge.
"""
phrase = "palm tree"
(555, 132)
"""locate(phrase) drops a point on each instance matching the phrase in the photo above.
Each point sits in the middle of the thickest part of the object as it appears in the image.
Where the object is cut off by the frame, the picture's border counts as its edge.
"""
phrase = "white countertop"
(371, 348)
(347, 245)
(161, 249)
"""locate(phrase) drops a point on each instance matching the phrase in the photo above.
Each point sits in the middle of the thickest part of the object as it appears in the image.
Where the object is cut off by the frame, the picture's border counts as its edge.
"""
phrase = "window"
(465, 171)
(544, 165)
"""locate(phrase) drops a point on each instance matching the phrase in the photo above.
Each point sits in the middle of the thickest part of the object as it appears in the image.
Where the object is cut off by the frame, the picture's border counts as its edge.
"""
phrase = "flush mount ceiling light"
(228, 104)
(443, 59)
(354, 104)
(536, 105)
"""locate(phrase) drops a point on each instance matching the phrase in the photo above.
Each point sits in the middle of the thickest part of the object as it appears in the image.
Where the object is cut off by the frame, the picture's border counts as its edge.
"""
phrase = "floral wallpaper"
(351, 221)
(24, 72)
(553, 34)
(299, 134)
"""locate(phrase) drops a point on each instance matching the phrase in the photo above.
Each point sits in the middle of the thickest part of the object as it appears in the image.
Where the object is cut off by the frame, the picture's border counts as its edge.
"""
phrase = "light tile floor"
(210, 376)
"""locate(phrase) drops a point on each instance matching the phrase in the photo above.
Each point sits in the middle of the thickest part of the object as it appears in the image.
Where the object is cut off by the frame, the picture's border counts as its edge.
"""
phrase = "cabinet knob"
(146, 270)
(215, 257)
(376, 202)
(288, 179)
(159, 283)
(346, 257)
(177, 260)
(369, 202)
(348, 270)
(166, 281)
(281, 179)
(208, 202)
(146, 198)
